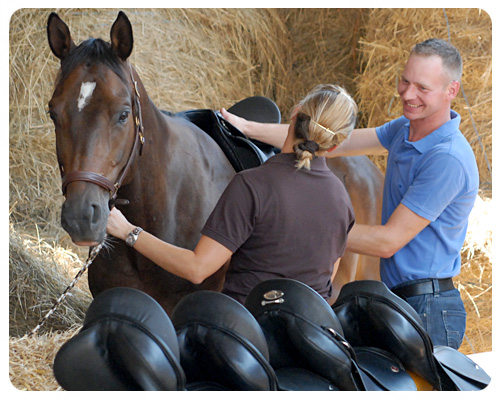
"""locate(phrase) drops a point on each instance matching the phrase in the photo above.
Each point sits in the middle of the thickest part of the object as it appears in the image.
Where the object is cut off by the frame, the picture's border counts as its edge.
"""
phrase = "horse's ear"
(60, 41)
(122, 39)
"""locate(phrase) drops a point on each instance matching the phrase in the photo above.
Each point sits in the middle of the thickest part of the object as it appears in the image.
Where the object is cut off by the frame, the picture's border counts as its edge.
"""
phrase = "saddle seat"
(371, 315)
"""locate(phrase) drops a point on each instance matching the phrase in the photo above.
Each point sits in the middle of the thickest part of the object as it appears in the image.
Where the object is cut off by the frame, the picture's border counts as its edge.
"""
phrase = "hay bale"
(475, 281)
(31, 360)
(323, 49)
(38, 274)
(389, 35)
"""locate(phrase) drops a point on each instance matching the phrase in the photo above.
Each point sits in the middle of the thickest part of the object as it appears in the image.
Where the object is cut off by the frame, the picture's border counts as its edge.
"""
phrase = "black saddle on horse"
(242, 152)
(371, 315)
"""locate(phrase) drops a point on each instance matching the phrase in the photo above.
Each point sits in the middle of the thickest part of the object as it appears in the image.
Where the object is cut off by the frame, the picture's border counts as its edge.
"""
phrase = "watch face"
(130, 240)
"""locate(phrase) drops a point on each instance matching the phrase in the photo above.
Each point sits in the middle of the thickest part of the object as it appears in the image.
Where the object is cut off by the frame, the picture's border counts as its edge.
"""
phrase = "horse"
(112, 140)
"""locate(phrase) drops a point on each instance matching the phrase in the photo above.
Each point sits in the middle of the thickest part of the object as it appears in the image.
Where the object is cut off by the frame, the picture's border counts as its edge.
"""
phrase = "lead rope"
(93, 254)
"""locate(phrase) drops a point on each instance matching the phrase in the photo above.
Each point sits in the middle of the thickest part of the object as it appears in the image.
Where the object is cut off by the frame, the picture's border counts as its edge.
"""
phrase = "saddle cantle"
(371, 315)
(221, 344)
(306, 338)
(242, 152)
(127, 343)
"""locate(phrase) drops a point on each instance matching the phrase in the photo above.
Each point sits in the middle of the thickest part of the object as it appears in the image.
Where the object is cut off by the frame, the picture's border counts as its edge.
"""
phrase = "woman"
(287, 218)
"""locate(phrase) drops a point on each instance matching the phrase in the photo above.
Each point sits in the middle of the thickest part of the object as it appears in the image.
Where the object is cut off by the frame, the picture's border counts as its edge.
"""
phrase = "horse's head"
(96, 114)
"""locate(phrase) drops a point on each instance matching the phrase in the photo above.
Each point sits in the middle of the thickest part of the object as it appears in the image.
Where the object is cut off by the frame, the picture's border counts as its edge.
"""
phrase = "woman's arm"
(273, 134)
(361, 142)
(195, 266)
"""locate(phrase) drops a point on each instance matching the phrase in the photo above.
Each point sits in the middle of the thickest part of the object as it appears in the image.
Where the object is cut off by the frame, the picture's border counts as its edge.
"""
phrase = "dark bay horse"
(111, 139)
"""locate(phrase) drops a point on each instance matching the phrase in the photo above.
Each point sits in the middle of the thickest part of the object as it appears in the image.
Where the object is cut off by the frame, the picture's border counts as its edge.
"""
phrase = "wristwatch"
(133, 236)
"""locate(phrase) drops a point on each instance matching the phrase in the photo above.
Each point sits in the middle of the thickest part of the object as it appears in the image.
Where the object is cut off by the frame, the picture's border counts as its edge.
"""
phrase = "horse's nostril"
(96, 213)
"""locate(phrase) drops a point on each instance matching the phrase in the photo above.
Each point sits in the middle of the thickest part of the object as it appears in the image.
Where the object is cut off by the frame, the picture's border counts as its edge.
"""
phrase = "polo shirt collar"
(317, 164)
(426, 143)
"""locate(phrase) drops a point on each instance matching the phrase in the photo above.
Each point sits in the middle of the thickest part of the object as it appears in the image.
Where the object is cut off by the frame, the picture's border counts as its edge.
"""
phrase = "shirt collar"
(426, 143)
(317, 164)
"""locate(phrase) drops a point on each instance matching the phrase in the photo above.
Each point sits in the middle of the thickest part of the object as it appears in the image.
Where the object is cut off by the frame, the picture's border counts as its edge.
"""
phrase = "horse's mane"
(91, 51)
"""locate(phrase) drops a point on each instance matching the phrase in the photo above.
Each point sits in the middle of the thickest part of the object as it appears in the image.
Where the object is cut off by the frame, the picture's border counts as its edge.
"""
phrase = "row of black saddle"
(286, 337)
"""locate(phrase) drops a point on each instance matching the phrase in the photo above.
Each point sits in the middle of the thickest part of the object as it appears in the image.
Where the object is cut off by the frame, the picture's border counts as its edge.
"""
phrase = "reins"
(93, 254)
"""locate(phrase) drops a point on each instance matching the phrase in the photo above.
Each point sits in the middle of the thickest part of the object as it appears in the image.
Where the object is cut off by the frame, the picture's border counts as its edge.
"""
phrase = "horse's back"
(364, 183)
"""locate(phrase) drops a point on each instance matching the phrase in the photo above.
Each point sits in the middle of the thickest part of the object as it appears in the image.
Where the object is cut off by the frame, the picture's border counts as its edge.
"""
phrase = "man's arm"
(385, 240)
(360, 142)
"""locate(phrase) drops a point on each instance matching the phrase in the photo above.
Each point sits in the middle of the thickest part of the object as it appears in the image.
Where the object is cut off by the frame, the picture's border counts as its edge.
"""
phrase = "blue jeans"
(443, 315)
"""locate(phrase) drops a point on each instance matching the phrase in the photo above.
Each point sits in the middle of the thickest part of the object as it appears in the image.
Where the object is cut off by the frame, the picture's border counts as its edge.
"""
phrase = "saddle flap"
(323, 353)
(221, 342)
(242, 152)
(302, 331)
(83, 363)
(146, 362)
(127, 343)
(298, 379)
(464, 372)
(382, 370)
(373, 316)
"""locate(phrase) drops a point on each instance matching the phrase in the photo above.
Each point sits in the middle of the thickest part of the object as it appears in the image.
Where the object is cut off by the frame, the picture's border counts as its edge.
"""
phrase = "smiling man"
(430, 186)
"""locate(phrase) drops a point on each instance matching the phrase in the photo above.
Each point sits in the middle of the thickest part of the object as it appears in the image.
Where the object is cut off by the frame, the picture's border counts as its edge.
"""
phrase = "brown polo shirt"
(281, 222)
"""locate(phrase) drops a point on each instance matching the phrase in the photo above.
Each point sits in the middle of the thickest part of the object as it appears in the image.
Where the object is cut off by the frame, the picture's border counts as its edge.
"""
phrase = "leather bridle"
(101, 180)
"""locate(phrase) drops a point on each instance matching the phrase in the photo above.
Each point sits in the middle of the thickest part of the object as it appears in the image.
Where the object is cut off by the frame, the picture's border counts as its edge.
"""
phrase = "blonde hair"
(325, 117)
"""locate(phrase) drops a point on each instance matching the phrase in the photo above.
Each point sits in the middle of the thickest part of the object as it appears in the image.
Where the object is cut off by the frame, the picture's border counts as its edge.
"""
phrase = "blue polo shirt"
(437, 178)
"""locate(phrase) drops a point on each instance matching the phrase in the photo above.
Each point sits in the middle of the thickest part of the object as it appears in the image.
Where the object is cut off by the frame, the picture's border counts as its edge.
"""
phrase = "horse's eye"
(124, 116)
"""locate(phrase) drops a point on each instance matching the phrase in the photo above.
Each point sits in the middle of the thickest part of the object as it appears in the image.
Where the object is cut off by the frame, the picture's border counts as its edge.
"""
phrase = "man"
(430, 186)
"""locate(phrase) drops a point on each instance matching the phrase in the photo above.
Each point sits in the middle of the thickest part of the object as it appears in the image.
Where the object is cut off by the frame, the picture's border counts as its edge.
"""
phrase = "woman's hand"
(118, 226)
(238, 122)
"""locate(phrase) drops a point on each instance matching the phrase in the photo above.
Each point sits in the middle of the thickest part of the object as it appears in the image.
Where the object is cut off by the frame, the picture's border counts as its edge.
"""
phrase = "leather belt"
(429, 286)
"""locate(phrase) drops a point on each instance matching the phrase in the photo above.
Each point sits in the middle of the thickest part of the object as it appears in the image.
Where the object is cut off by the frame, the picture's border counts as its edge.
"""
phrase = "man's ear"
(453, 89)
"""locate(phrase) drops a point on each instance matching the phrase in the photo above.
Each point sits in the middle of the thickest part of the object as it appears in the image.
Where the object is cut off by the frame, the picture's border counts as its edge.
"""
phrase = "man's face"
(424, 88)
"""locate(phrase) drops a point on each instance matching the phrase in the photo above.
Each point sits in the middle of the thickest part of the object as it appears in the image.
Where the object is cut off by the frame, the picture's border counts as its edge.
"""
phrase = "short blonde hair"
(326, 116)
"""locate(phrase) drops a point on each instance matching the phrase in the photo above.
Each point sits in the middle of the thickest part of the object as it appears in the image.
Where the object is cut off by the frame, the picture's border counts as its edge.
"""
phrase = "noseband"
(100, 180)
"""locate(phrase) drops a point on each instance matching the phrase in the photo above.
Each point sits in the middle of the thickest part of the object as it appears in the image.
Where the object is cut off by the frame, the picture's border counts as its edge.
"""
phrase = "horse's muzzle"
(84, 214)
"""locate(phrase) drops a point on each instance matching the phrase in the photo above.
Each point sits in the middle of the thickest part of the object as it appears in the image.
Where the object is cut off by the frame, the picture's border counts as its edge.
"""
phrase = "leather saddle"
(221, 344)
(242, 152)
(127, 342)
(306, 338)
(286, 337)
(371, 315)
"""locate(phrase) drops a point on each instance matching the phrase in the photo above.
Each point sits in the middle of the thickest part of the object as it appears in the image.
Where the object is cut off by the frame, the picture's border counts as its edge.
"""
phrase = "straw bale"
(38, 274)
(323, 50)
(475, 281)
(389, 35)
(31, 360)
